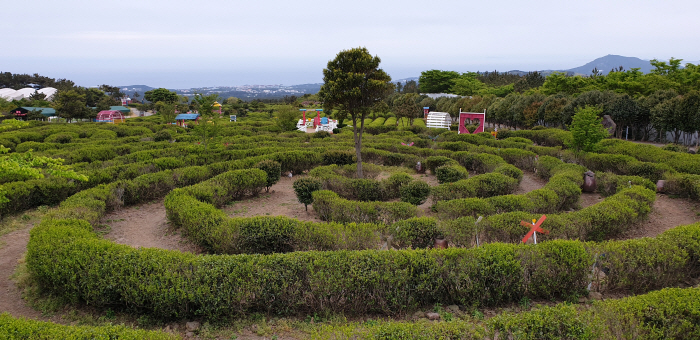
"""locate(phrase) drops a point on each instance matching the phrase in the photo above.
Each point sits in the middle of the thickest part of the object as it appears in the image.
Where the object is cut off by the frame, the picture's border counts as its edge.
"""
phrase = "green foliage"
(436, 81)
(304, 188)
(451, 173)
(163, 135)
(586, 129)
(433, 162)
(330, 207)
(21, 328)
(338, 157)
(354, 83)
(486, 185)
(418, 232)
(415, 192)
(287, 117)
(273, 170)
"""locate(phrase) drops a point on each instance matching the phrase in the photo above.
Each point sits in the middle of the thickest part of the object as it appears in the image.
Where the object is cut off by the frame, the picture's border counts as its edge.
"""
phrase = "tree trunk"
(358, 143)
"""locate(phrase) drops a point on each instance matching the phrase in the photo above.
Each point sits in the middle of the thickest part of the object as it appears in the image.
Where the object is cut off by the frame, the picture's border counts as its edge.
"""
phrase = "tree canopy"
(354, 83)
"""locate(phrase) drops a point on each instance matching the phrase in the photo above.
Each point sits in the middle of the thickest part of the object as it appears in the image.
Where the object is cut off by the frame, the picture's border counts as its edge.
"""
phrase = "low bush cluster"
(337, 179)
(331, 207)
(486, 185)
(607, 219)
(21, 328)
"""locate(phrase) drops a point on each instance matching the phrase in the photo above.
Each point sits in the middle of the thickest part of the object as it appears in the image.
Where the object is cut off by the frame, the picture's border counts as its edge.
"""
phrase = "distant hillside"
(610, 61)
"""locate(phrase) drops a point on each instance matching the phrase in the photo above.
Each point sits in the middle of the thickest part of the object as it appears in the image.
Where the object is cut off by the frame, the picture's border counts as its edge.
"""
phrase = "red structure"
(110, 116)
(534, 227)
(463, 116)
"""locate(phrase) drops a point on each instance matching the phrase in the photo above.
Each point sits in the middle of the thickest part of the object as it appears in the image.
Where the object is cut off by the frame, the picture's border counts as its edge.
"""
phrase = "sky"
(184, 44)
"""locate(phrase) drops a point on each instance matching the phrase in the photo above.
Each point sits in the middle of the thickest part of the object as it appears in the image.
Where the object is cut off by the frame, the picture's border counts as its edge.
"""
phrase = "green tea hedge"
(21, 328)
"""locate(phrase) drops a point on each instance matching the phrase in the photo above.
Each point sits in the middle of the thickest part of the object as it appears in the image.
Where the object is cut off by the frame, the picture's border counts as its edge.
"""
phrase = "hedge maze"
(283, 266)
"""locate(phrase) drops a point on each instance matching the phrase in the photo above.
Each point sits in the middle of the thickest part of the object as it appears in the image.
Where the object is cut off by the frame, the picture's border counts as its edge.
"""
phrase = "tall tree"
(161, 95)
(209, 122)
(113, 92)
(405, 106)
(354, 83)
(70, 105)
(437, 81)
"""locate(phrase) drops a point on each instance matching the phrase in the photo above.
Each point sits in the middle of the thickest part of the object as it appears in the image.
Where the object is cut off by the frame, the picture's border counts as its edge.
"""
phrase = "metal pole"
(628, 133)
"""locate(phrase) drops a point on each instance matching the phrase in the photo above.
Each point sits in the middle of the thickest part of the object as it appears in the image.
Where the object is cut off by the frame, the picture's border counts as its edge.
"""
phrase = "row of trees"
(665, 76)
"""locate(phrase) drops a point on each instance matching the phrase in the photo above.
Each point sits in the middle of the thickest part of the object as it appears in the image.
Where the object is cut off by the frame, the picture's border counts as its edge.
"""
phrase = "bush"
(417, 232)
(451, 173)
(675, 148)
(330, 207)
(415, 192)
(486, 185)
(321, 134)
(163, 135)
(61, 138)
(433, 162)
(21, 328)
(304, 187)
(338, 157)
(273, 170)
(391, 187)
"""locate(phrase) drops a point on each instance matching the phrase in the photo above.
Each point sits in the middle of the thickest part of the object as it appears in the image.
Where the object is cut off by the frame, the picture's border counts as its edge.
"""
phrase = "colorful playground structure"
(317, 123)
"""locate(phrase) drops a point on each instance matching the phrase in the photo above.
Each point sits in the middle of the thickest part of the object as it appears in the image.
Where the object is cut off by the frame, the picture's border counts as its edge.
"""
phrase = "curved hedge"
(331, 207)
(666, 314)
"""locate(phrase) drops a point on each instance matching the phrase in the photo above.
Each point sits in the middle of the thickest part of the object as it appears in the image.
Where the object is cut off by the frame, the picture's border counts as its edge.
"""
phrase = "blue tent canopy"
(187, 116)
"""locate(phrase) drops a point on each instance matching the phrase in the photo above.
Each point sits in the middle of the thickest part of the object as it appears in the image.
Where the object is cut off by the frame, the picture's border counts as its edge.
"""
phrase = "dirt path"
(12, 248)
(280, 201)
(666, 214)
(145, 226)
(529, 183)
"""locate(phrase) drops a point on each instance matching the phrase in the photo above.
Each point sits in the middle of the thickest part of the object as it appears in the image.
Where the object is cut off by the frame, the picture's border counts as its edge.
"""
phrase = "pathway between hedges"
(12, 248)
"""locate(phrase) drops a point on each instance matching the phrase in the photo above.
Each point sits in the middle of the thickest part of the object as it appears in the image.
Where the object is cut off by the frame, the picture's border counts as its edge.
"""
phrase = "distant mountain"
(405, 80)
(245, 92)
(611, 61)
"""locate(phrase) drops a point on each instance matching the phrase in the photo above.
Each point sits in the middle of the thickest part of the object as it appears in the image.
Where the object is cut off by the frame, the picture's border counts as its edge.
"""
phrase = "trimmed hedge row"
(49, 191)
(667, 314)
(68, 259)
(212, 229)
(561, 192)
(21, 328)
(334, 178)
(331, 207)
(486, 185)
(601, 221)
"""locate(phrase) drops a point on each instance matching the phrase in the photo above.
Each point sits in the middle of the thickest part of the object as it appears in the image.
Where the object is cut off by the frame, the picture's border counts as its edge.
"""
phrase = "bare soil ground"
(14, 245)
(529, 183)
(666, 213)
(145, 226)
(279, 201)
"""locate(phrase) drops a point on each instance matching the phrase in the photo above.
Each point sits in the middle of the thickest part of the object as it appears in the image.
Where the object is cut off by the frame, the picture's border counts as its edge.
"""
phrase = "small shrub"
(451, 173)
(416, 192)
(321, 134)
(273, 170)
(418, 232)
(434, 162)
(163, 135)
(339, 157)
(304, 187)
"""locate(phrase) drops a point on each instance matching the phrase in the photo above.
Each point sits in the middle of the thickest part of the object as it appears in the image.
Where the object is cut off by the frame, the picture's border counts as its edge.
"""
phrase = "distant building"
(21, 112)
(438, 95)
(10, 94)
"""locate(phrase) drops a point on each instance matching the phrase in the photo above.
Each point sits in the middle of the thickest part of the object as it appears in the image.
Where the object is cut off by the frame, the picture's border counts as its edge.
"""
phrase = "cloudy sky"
(182, 44)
